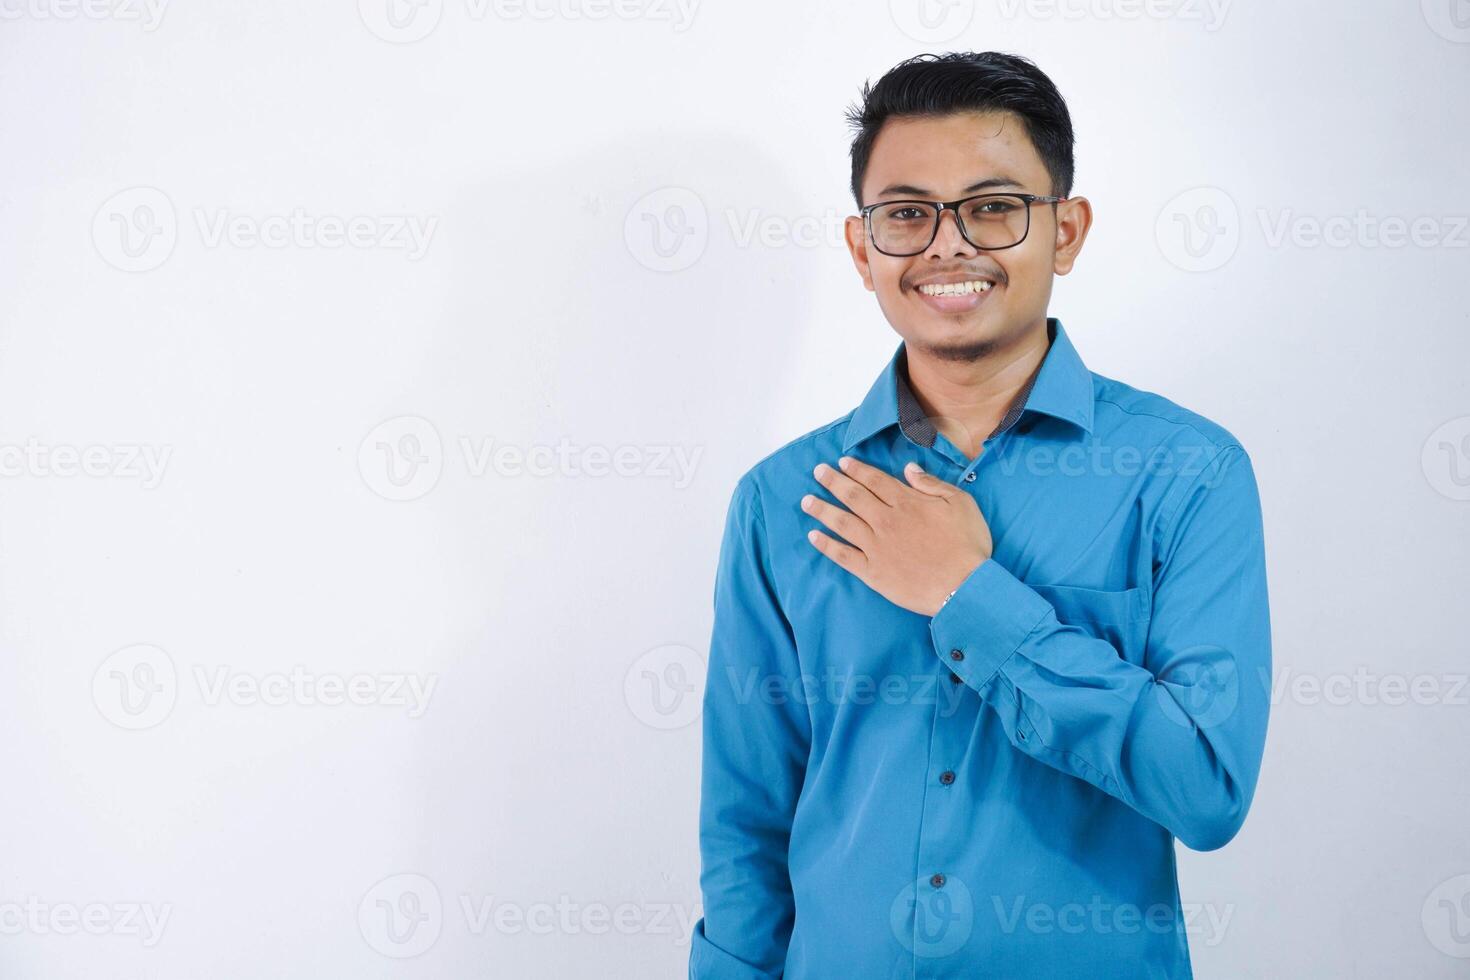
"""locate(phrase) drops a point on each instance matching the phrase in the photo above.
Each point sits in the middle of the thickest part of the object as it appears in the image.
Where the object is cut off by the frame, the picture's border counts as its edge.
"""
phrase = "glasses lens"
(995, 221)
(904, 228)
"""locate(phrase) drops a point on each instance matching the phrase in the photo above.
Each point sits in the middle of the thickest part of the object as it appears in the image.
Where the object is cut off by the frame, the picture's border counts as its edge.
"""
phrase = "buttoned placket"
(951, 762)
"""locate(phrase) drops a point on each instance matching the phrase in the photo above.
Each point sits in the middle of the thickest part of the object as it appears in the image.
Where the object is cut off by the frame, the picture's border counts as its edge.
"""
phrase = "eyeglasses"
(987, 221)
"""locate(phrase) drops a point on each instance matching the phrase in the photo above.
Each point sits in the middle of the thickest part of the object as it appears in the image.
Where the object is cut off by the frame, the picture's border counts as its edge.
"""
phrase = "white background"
(546, 794)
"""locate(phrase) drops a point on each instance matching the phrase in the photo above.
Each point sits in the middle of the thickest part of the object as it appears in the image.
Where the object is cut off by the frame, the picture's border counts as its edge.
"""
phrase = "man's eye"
(907, 214)
(995, 207)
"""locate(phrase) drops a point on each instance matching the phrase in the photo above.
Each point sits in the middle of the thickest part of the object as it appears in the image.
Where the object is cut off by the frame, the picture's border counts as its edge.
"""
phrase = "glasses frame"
(954, 206)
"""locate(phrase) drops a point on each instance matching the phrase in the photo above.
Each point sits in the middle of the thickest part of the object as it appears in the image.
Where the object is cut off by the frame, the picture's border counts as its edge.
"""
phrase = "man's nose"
(948, 239)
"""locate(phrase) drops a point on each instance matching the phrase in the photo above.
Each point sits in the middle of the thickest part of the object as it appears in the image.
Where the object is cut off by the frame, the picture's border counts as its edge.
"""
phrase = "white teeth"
(956, 288)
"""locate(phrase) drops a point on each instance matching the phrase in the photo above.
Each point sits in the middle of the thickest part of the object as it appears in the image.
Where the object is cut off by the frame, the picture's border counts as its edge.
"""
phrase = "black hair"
(966, 81)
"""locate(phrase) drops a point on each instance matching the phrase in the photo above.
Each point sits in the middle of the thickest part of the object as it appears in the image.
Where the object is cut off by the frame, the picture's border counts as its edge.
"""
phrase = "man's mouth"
(956, 288)
(955, 297)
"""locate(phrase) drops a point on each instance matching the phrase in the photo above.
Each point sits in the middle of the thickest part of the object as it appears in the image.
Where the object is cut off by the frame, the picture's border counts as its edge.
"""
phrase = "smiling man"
(985, 646)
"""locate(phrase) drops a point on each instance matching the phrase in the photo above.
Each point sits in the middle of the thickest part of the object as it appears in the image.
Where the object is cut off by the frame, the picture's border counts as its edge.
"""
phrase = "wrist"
(958, 585)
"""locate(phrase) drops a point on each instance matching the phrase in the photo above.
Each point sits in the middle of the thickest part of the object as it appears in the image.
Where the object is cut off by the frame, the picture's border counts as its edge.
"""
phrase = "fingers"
(844, 522)
(928, 482)
(874, 480)
(856, 497)
(846, 556)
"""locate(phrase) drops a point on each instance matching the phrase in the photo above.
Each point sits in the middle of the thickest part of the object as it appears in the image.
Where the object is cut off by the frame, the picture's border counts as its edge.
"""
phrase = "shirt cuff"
(985, 621)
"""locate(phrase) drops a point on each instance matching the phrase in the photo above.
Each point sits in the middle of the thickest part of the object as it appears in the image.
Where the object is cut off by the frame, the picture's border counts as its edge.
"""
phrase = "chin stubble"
(961, 352)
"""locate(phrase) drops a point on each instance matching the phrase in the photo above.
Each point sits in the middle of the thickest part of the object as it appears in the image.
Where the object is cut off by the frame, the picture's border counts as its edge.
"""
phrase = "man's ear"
(1074, 217)
(857, 246)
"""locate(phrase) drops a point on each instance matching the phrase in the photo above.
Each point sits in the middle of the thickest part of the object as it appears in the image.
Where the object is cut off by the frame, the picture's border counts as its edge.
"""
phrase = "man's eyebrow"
(974, 188)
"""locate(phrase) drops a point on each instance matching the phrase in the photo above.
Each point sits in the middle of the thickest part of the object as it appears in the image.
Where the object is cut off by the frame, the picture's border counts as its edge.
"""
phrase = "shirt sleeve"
(1179, 738)
(755, 754)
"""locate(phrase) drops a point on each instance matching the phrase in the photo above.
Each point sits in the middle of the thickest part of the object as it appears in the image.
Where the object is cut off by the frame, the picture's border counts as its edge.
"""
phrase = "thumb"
(927, 482)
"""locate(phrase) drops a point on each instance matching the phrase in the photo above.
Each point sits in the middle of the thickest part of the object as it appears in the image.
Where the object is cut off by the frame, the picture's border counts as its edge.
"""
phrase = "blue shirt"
(993, 791)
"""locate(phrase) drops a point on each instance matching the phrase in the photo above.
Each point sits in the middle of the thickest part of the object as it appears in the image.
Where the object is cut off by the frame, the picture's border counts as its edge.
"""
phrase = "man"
(985, 646)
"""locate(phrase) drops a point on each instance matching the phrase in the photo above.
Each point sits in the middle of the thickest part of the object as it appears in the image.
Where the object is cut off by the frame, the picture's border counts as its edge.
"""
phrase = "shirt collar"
(1062, 388)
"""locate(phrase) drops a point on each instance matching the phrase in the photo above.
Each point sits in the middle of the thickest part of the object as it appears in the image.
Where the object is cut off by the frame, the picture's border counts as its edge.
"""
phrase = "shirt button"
(946, 777)
(957, 655)
(937, 881)
(970, 477)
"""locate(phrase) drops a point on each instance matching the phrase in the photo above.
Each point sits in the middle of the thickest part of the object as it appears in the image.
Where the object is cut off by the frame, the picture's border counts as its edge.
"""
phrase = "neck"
(966, 399)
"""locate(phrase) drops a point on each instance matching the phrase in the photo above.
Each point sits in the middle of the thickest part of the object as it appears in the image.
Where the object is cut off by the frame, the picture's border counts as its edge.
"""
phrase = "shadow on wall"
(605, 300)
(612, 304)
(619, 290)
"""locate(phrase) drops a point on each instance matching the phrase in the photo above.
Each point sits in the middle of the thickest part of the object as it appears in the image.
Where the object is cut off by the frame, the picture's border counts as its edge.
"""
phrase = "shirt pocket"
(1119, 617)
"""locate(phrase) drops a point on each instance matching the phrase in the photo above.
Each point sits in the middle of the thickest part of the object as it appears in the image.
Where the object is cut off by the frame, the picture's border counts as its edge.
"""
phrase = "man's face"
(942, 159)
